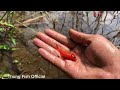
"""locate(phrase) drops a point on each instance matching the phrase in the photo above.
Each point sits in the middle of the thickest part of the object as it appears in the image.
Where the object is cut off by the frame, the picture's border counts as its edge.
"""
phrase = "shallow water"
(27, 55)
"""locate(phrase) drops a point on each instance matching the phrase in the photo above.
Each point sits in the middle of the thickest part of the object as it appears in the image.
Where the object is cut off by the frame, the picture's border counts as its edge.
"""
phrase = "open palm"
(86, 47)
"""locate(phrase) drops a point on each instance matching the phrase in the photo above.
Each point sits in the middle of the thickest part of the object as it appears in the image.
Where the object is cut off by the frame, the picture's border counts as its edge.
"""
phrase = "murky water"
(61, 21)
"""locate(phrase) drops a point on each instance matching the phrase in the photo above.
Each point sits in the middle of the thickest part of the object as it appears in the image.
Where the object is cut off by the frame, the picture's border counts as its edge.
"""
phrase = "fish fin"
(60, 56)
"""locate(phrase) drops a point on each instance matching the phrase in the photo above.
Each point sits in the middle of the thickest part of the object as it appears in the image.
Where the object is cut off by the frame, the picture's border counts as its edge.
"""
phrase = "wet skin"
(96, 56)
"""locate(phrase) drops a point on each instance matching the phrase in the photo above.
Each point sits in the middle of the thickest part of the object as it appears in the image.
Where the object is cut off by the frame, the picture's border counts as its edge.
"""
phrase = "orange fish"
(66, 54)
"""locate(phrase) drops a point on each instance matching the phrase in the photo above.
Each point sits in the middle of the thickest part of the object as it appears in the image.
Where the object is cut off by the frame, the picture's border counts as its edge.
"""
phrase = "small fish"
(66, 54)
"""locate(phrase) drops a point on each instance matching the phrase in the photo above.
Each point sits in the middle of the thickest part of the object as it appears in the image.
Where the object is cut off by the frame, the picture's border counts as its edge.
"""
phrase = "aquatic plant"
(7, 38)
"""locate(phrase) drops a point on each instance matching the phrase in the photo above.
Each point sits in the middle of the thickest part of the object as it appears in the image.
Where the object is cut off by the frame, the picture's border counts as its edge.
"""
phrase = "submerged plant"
(7, 37)
(7, 44)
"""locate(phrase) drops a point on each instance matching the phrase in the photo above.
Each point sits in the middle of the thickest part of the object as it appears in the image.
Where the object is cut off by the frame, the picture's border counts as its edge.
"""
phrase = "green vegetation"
(7, 31)
(7, 37)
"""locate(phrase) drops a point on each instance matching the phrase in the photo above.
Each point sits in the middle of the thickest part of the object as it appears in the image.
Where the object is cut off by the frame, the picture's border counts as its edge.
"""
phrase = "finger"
(53, 59)
(61, 38)
(80, 37)
(45, 46)
(50, 41)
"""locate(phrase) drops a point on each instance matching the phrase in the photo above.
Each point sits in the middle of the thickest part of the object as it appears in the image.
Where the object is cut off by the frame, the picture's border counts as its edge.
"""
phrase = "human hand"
(96, 56)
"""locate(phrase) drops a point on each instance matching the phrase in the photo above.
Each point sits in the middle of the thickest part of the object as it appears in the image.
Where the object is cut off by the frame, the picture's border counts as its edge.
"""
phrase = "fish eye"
(73, 56)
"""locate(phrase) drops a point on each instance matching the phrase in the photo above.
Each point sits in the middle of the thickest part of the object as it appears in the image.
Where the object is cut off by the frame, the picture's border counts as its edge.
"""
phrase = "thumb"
(80, 37)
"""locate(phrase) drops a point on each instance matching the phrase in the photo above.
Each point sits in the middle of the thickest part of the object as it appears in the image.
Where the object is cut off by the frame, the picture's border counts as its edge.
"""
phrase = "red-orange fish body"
(66, 54)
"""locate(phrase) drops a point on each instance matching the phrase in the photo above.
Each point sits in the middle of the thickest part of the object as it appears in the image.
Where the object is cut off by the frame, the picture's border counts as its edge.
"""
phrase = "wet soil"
(30, 63)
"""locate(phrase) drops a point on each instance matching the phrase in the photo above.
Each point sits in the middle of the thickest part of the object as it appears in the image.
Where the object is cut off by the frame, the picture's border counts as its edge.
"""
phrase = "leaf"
(2, 47)
(7, 24)
(13, 49)
(6, 75)
(5, 47)
(14, 41)
(1, 29)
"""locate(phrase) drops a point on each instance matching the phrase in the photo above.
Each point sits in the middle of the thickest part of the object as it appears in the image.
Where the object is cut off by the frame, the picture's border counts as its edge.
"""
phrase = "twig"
(63, 22)
(112, 20)
(3, 16)
(112, 32)
(98, 23)
(27, 22)
(26, 26)
(33, 19)
(33, 14)
(77, 20)
(72, 18)
(104, 21)
(87, 18)
(93, 21)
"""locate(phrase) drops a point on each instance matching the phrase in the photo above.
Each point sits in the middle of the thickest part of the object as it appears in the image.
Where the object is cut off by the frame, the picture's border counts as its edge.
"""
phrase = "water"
(60, 21)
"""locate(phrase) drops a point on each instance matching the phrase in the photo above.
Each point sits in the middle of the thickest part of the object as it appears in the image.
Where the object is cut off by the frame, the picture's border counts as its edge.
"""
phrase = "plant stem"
(3, 16)
(26, 26)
